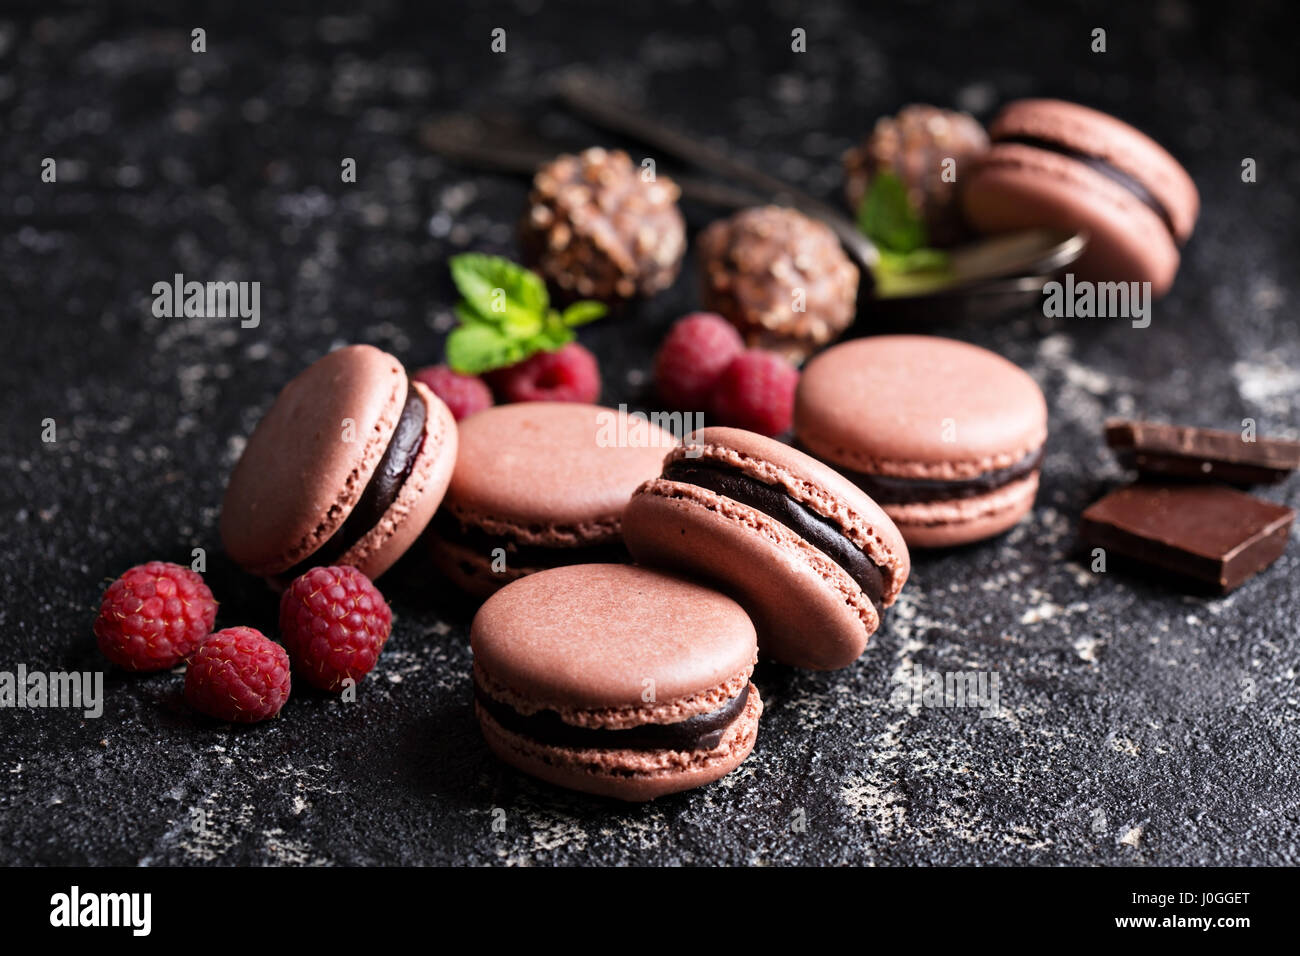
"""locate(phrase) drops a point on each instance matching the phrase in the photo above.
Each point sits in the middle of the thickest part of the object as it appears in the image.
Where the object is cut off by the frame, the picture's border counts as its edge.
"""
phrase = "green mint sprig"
(886, 217)
(505, 315)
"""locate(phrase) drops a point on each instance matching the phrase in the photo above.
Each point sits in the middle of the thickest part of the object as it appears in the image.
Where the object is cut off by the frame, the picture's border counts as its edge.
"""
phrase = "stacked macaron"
(1063, 165)
(812, 558)
(347, 467)
(947, 437)
(634, 683)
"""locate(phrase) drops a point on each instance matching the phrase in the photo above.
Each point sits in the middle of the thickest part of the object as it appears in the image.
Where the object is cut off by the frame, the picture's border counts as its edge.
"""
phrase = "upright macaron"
(541, 484)
(947, 437)
(812, 558)
(615, 680)
(347, 467)
(1061, 165)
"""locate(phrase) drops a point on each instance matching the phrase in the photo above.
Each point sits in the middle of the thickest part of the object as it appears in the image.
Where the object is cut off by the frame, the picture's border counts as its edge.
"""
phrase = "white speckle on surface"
(1122, 745)
(554, 833)
(1087, 648)
(1270, 383)
(883, 806)
(1046, 610)
(977, 97)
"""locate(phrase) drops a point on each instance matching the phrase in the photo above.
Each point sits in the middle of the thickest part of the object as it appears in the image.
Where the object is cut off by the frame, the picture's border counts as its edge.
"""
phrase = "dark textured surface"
(1140, 725)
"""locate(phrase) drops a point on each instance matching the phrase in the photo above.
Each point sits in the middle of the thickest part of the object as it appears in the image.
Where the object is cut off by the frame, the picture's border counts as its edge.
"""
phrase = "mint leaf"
(468, 315)
(580, 313)
(887, 218)
(505, 315)
(472, 349)
(549, 340)
(500, 291)
(476, 276)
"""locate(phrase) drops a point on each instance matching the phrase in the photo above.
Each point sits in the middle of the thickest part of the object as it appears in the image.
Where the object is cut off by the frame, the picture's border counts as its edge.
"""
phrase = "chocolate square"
(1210, 534)
(1166, 452)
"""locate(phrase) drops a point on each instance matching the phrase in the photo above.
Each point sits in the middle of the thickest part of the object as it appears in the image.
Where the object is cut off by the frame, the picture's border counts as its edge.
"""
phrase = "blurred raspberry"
(334, 622)
(756, 392)
(464, 394)
(693, 356)
(567, 375)
(154, 616)
(239, 675)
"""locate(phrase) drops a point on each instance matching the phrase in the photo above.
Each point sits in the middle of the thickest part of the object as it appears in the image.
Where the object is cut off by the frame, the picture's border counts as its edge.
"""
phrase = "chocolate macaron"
(947, 437)
(347, 467)
(812, 558)
(1066, 166)
(615, 680)
(541, 484)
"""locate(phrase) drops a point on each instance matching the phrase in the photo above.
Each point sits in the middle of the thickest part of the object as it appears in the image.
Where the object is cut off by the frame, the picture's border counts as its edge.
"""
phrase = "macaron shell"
(1085, 130)
(552, 472)
(299, 476)
(945, 524)
(813, 484)
(419, 496)
(1019, 187)
(918, 406)
(632, 775)
(592, 635)
(808, 611)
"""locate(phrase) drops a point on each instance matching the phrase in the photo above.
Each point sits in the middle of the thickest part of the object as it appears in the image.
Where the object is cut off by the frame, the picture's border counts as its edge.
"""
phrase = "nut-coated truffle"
(914, 146)
(597, 227)
(780, 277)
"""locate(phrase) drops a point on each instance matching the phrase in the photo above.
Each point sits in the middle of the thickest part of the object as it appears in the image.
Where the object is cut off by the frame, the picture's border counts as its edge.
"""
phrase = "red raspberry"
(464, 394)
(568, 375)
(334, 623)
(238, 674)
(693, 356)
(154, 616)
(757, 392)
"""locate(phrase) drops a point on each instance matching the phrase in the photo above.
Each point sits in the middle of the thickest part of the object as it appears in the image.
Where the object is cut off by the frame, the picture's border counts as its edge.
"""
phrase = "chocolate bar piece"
(1210, 534)
(1203, 454)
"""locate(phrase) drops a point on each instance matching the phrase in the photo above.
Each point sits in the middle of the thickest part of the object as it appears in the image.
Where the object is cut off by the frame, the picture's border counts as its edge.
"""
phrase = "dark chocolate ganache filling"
(450, 529)
(701, 732)
(1110, 171)
(892, 490)
(820, 532)
(380, 492)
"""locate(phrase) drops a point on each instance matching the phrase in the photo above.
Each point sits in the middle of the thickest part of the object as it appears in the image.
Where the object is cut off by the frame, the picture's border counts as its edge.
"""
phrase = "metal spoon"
(500, 145)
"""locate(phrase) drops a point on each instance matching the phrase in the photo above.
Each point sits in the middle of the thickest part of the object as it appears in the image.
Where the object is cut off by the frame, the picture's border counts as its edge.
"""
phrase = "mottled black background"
(1141, 726)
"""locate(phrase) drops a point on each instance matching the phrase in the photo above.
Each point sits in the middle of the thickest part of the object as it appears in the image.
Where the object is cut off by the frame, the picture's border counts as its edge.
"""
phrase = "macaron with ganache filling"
(1065, 166)
(947, 437)
(347, 467)
(812, 558)
(541, 484)
(615, 680)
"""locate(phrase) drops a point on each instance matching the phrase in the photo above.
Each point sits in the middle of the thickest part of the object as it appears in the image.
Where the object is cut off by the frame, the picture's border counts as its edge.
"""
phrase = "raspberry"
(757, 392)
(238, 674)
(693, 356)
(334, 623)
(568, 375)
(464, 394)
(154, 616)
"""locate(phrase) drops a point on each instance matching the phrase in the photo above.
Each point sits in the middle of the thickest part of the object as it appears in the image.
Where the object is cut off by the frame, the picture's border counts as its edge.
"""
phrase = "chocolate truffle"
(595, 228)
(913, 146)
(780, 277)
